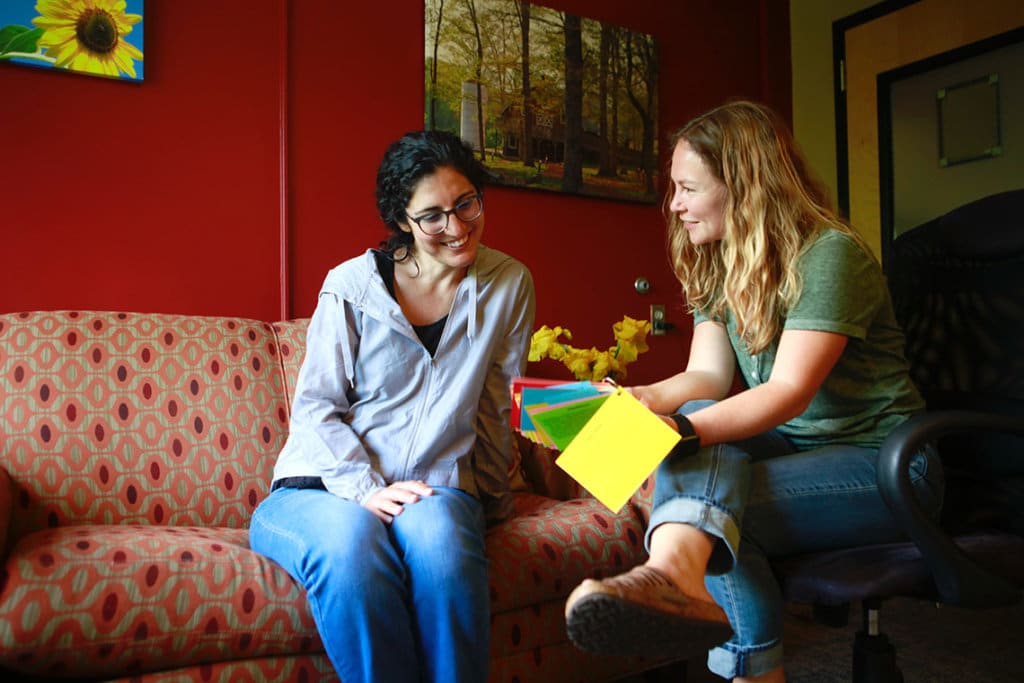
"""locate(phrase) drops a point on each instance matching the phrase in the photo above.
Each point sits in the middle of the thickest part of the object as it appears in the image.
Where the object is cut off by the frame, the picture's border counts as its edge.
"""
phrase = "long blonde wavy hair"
(774, 209)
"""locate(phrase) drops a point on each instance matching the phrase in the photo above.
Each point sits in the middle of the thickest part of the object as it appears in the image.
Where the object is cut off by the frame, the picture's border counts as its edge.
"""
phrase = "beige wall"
(811, 52)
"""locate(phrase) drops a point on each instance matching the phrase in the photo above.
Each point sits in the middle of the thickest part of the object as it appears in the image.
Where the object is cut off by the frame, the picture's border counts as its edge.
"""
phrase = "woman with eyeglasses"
(785, 292)
(399, 446)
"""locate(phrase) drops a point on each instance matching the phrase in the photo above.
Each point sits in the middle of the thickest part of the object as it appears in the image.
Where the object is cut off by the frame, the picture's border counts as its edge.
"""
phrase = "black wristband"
(689, 442)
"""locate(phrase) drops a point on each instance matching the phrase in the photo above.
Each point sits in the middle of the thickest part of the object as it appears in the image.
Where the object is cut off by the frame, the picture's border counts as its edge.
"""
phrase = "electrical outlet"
(658, 326)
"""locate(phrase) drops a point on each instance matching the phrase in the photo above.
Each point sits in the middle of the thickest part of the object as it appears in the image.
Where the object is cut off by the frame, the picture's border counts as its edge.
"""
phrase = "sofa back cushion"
(138, 418)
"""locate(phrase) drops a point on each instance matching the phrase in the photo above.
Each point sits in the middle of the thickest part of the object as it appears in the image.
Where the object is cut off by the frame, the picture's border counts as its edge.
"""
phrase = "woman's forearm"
(666, 396)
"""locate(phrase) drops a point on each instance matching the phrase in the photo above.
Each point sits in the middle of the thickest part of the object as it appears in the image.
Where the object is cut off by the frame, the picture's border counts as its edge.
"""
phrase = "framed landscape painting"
(548, 99)
(93, 37)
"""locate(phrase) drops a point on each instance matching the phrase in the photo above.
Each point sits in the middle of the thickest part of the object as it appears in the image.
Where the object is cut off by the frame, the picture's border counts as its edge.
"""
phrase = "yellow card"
(617, 449)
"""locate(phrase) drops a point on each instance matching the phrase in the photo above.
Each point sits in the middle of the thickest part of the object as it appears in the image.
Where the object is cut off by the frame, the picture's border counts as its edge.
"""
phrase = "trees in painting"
(548, 99)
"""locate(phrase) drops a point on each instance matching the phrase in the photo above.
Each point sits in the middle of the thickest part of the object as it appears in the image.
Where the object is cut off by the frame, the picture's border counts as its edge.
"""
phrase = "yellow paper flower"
(632, 337)
(591, 364)
(605, 364)
(544, 343)
(632, 331)
(88, 35)
(580, 361)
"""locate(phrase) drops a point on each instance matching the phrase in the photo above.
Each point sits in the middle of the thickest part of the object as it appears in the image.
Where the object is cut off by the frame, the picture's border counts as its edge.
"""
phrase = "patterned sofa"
(133, 449)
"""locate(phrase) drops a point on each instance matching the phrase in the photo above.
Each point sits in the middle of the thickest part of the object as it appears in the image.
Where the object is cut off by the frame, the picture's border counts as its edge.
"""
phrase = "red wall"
(253, 142)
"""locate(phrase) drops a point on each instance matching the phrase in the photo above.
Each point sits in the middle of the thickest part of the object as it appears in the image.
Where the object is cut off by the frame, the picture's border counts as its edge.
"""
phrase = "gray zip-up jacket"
(371, 405)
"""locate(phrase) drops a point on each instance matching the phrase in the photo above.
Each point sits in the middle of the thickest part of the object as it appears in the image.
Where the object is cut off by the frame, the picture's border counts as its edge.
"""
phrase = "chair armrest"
(6, 509)
(958, 579)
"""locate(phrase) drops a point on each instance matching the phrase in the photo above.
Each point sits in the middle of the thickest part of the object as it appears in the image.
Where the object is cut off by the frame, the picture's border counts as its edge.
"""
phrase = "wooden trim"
(282, 163)
(839, 29)
(886, 177)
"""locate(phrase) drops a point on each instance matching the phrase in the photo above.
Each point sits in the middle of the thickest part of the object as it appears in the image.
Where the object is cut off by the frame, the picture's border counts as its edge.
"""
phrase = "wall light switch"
(658, 322)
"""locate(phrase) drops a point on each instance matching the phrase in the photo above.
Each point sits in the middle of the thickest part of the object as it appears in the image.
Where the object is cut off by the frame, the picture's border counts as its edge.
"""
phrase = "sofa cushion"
(105, 600)
(549, 546)
(131, 418)
(89, 598)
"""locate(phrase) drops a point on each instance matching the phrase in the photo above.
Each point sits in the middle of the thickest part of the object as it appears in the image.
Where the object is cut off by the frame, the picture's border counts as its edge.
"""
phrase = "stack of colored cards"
(610, 442)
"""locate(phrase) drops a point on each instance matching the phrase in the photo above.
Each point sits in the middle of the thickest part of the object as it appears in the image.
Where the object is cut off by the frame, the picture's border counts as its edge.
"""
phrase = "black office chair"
(958, 289)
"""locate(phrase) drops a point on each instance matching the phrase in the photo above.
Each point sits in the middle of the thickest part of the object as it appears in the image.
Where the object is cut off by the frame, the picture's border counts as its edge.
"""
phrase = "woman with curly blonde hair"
(784, 291)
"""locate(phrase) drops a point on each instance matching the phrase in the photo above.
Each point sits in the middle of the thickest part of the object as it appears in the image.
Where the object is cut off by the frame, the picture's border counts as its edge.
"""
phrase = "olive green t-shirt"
(869, 391)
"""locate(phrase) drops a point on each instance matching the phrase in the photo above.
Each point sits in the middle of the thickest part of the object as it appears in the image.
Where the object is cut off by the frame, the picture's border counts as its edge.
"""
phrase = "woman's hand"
(708, 374)
(387, 503)
(646, 394)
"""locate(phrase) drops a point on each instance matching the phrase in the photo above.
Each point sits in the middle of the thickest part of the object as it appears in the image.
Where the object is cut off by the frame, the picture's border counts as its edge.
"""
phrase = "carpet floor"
(933, 645)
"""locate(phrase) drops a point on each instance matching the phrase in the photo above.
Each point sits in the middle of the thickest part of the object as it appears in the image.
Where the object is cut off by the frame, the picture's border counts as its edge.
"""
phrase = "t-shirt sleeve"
(843, 288)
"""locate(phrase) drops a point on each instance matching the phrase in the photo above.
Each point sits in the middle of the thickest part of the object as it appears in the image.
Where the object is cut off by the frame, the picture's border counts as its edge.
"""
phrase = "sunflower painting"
(95, 37)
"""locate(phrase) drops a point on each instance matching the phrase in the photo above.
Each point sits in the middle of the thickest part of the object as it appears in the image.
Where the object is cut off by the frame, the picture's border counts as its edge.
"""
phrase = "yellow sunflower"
(88, 35)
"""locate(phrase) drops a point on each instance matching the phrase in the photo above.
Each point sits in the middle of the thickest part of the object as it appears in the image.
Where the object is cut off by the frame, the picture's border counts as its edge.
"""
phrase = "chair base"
(874, 660)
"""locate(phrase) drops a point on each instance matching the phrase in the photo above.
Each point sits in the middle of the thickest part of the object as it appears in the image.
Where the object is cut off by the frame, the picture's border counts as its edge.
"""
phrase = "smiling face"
(456, 247)
(698, 197)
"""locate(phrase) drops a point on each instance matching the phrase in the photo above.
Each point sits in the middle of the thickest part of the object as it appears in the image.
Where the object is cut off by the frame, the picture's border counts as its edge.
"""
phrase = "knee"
(358, 550)
(444, 519)
(445, 539)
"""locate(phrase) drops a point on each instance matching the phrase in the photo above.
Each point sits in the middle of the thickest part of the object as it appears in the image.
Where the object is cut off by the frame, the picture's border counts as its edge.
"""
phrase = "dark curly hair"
(407, 161)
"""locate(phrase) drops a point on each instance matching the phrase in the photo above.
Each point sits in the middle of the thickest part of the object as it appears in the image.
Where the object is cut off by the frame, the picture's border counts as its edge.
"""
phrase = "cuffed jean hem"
(705, 516)
(727, 662)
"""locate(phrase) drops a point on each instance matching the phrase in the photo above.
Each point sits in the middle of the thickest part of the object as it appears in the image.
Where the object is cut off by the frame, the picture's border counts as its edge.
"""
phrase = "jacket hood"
(359, 282)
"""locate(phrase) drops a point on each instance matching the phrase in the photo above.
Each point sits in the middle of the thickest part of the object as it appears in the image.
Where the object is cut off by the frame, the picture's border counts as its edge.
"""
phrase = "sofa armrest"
(542, 475)
(6, 509)
(958, 579)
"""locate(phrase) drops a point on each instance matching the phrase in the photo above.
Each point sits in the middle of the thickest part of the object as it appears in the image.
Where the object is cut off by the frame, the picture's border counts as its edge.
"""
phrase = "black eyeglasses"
(436, 222)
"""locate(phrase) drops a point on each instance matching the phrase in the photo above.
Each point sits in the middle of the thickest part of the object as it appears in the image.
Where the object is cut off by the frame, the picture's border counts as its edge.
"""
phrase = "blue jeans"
(762, 500)
(402, 602)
